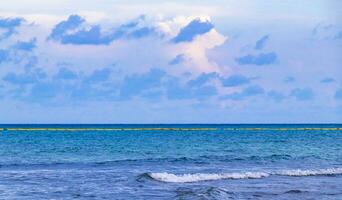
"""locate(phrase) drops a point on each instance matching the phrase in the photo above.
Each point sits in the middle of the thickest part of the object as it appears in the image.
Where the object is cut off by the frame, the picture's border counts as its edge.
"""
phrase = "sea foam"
(314, 172)
(187, 178)
(196, 177)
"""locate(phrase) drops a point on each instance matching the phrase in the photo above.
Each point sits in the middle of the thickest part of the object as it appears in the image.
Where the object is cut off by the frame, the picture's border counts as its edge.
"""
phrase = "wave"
(205, 159)
(197, 177)
(96, 163)
(187, 178)
(315, 172)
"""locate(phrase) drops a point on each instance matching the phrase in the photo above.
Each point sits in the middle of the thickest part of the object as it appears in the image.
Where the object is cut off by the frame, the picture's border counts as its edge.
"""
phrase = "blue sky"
(154, 61)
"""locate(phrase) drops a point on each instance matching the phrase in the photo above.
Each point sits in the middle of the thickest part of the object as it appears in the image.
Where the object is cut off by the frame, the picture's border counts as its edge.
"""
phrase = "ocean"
(171, 161)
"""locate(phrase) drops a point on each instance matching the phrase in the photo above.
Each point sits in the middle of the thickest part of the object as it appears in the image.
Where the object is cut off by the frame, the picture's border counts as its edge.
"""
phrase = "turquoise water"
(184, 162)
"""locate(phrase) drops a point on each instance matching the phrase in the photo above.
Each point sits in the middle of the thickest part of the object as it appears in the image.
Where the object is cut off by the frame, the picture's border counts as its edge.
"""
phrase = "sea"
(168, 161)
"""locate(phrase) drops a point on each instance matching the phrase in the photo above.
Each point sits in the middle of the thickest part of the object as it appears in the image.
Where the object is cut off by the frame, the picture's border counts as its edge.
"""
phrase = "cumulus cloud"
(4, 55)
(26, 45)
(338, 94)
(175, 90)
(43, 91)
(22, 79)
(75, 31)
(302, 94)
(65, 74)
(260, 44)
(289, 79)
(173, 60)
(235, 80)
(177, 60)
(135, 84)
(202, 79)
(198, 88)
(193, 29)
(99, 75)
(245, 93)
(259, 59)
(67, 62)
(338, 35)
(327, 80)
(61, 29)
(327, 31)
(8, 25)
(275, 95)
(140, 59)
(196, 52)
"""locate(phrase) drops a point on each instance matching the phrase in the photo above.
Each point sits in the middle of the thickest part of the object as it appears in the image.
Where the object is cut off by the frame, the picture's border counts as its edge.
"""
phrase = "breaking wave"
(187, 178)
(196, 177)
(315, 172)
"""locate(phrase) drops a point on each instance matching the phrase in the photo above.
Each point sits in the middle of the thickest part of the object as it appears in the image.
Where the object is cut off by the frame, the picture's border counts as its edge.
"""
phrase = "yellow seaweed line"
(111, 129)
(283, 129)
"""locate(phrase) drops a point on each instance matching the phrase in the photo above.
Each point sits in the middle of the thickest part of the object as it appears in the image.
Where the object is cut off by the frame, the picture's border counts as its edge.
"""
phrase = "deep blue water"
(224, 162)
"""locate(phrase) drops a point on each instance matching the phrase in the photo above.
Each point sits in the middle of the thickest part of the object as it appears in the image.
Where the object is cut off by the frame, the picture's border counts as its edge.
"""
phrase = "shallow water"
(184, 162)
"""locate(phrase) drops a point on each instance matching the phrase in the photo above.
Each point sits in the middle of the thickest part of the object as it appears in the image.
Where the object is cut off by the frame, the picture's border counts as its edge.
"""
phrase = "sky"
(155, 61)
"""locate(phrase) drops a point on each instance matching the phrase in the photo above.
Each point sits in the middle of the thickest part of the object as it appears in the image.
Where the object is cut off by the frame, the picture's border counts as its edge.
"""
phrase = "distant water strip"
(286, 129)
(110, 129)
(175, 129)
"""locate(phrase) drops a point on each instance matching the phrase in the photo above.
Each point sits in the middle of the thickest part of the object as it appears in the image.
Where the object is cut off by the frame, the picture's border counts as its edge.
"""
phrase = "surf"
(198, 177)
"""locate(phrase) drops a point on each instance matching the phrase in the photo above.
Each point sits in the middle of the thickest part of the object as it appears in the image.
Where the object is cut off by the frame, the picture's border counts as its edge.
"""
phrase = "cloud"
(26, 46)
(89, 83)
(29, 77)
(197, 88)
(338, 94)
(26, 86)
(327, 31)
(175, 90)
(100, 75)
(135, 29)
(204, 92)
(96, 86)
(135, 84)
(246, 92)
(276, 96)
(19, 78)
(72, 31)
(196, 50)
(176, 43)
(141, 32)
(61, 29)
(327, 80)
(4, 55)
(289, 79)
(193, 29)
(302, 94)
(177, 60)
(235, 80)
(65, 74)
(92, 36)
(87, 91)
(9, 25)
(260, 44)
(202, 79)
(338, 35)
(44, 90)
(320, 29)
(260, 59)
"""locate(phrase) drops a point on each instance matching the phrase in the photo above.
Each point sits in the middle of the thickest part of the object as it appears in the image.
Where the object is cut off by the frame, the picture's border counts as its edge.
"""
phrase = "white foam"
(187, 178)
(314, 172)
